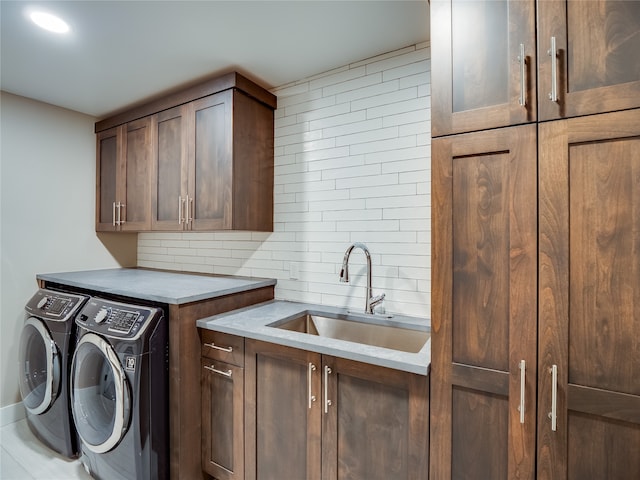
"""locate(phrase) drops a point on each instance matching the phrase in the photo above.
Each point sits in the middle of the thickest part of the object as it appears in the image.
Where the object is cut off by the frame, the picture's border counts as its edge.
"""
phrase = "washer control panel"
(116, 319)
(58, 306)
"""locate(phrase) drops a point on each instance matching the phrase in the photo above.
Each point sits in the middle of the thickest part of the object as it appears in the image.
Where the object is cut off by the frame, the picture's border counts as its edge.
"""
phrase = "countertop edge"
(249, 323)
(245, 284)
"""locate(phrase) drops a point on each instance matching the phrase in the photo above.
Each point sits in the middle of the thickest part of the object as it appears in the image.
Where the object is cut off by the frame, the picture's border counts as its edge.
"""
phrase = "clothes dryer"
(46, 346)
(119, 390)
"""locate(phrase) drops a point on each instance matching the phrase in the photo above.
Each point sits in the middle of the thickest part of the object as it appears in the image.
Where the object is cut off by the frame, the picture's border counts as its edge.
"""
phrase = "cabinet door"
(211, 163)
(596, 65)
(283, 421)
(108, 151)
(134, 189)
(589, 296)
(481, 79)
(222, 420)
(483, 308)
(169, 179)
(375, 422)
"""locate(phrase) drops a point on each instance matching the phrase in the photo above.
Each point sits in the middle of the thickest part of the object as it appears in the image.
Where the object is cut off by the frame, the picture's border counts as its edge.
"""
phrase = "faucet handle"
(377, 300)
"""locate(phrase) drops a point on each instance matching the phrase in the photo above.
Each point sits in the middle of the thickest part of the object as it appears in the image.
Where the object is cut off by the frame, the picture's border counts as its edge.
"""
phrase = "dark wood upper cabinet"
(589, 296)
(209, 161)
(170, 131)
(596, 64)
(485, 55)
(483, 325)
(123, 177)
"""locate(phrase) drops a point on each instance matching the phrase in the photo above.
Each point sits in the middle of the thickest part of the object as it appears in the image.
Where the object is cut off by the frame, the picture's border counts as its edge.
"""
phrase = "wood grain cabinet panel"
(222, 393)
(596, 65)
(312, 416)
(484, 53)
(170, 154)
(589, 296)
(483, 309)
(376, 425)
(282, 429)
(124, 177)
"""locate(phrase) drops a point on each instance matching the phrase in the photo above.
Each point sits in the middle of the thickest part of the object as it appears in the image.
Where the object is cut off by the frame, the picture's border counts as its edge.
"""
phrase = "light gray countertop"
(154, 285)
(252, 322)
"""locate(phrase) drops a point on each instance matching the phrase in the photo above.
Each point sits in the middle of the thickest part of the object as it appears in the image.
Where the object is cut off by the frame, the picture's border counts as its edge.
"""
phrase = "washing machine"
(119, 390)
(46, 346)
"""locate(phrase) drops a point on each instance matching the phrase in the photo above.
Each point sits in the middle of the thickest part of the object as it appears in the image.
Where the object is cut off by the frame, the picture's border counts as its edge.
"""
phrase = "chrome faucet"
(370, 300)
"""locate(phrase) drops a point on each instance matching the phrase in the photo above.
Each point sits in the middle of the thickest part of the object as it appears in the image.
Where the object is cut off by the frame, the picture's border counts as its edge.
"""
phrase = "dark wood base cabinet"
(309, 416)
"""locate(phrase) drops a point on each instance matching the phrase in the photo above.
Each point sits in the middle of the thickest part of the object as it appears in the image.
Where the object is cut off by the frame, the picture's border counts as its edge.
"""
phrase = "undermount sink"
(354, 329)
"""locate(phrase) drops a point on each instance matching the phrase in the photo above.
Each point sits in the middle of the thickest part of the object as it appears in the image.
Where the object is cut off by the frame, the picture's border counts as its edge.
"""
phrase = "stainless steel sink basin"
(355, 330)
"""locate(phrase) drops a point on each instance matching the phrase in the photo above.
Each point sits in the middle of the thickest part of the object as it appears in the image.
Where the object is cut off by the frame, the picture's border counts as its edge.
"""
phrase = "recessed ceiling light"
(49, 22)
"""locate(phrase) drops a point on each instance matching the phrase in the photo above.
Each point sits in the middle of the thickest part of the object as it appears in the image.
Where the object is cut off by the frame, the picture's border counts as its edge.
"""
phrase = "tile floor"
(25, 458)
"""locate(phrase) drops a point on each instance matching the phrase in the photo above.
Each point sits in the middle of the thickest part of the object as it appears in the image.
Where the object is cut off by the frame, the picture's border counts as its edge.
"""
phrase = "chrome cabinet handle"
(327, 402)
(212, 368)
(553, 53)
(120, 221)
(553, 414)
(180, 210)
(113, 214)
(216, 347)
(189, 217)
(312, 397)
(523, 77)
(522, 368)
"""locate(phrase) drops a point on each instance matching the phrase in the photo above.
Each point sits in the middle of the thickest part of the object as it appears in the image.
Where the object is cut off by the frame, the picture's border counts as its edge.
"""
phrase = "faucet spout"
(370, 300)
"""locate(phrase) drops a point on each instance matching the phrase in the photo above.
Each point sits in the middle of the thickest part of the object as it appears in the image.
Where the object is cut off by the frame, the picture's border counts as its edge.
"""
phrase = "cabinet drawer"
(222, 346)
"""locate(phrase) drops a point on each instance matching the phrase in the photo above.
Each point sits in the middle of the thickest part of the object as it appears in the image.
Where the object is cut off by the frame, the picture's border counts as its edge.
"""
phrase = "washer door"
(39, 367)
(100, 395)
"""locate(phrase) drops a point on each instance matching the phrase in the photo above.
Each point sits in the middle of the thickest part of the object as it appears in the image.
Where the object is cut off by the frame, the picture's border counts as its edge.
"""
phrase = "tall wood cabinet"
(589, 297)
(206, 158)
(483, 305)
(536, 244)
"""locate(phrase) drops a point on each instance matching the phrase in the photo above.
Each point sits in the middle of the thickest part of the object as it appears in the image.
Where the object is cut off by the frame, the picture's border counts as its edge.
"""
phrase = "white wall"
(47, 204)
(352, 163)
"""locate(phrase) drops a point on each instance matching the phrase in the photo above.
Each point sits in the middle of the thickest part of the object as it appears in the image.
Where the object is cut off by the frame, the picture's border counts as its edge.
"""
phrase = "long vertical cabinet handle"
(523, 368)
(312, 397)
(113, 214)
(553, 414)
(553, 53)
(523, 77)
(327, 402)
(189, 209)
(179, 210)
(120, 220)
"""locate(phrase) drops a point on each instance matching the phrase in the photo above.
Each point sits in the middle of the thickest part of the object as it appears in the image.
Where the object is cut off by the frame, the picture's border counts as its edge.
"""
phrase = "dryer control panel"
(56, 306)
(115, 319)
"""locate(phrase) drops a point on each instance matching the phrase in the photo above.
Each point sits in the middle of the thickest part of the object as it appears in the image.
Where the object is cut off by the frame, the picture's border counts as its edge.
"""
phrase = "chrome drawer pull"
(216, 347)
(228, 373)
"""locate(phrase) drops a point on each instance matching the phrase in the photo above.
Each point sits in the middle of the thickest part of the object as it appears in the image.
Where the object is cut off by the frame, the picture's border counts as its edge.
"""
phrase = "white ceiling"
(122, 52)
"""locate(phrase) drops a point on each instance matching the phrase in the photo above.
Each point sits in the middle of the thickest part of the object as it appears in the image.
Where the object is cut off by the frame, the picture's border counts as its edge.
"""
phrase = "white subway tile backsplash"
(352, 164)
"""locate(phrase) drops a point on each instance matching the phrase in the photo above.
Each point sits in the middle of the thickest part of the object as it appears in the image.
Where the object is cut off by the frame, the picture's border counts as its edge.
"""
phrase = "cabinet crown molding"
(181, 96)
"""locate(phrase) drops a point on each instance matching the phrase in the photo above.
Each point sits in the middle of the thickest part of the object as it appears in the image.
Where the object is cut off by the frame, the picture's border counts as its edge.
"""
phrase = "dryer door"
(100, 394)
(39, 367)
